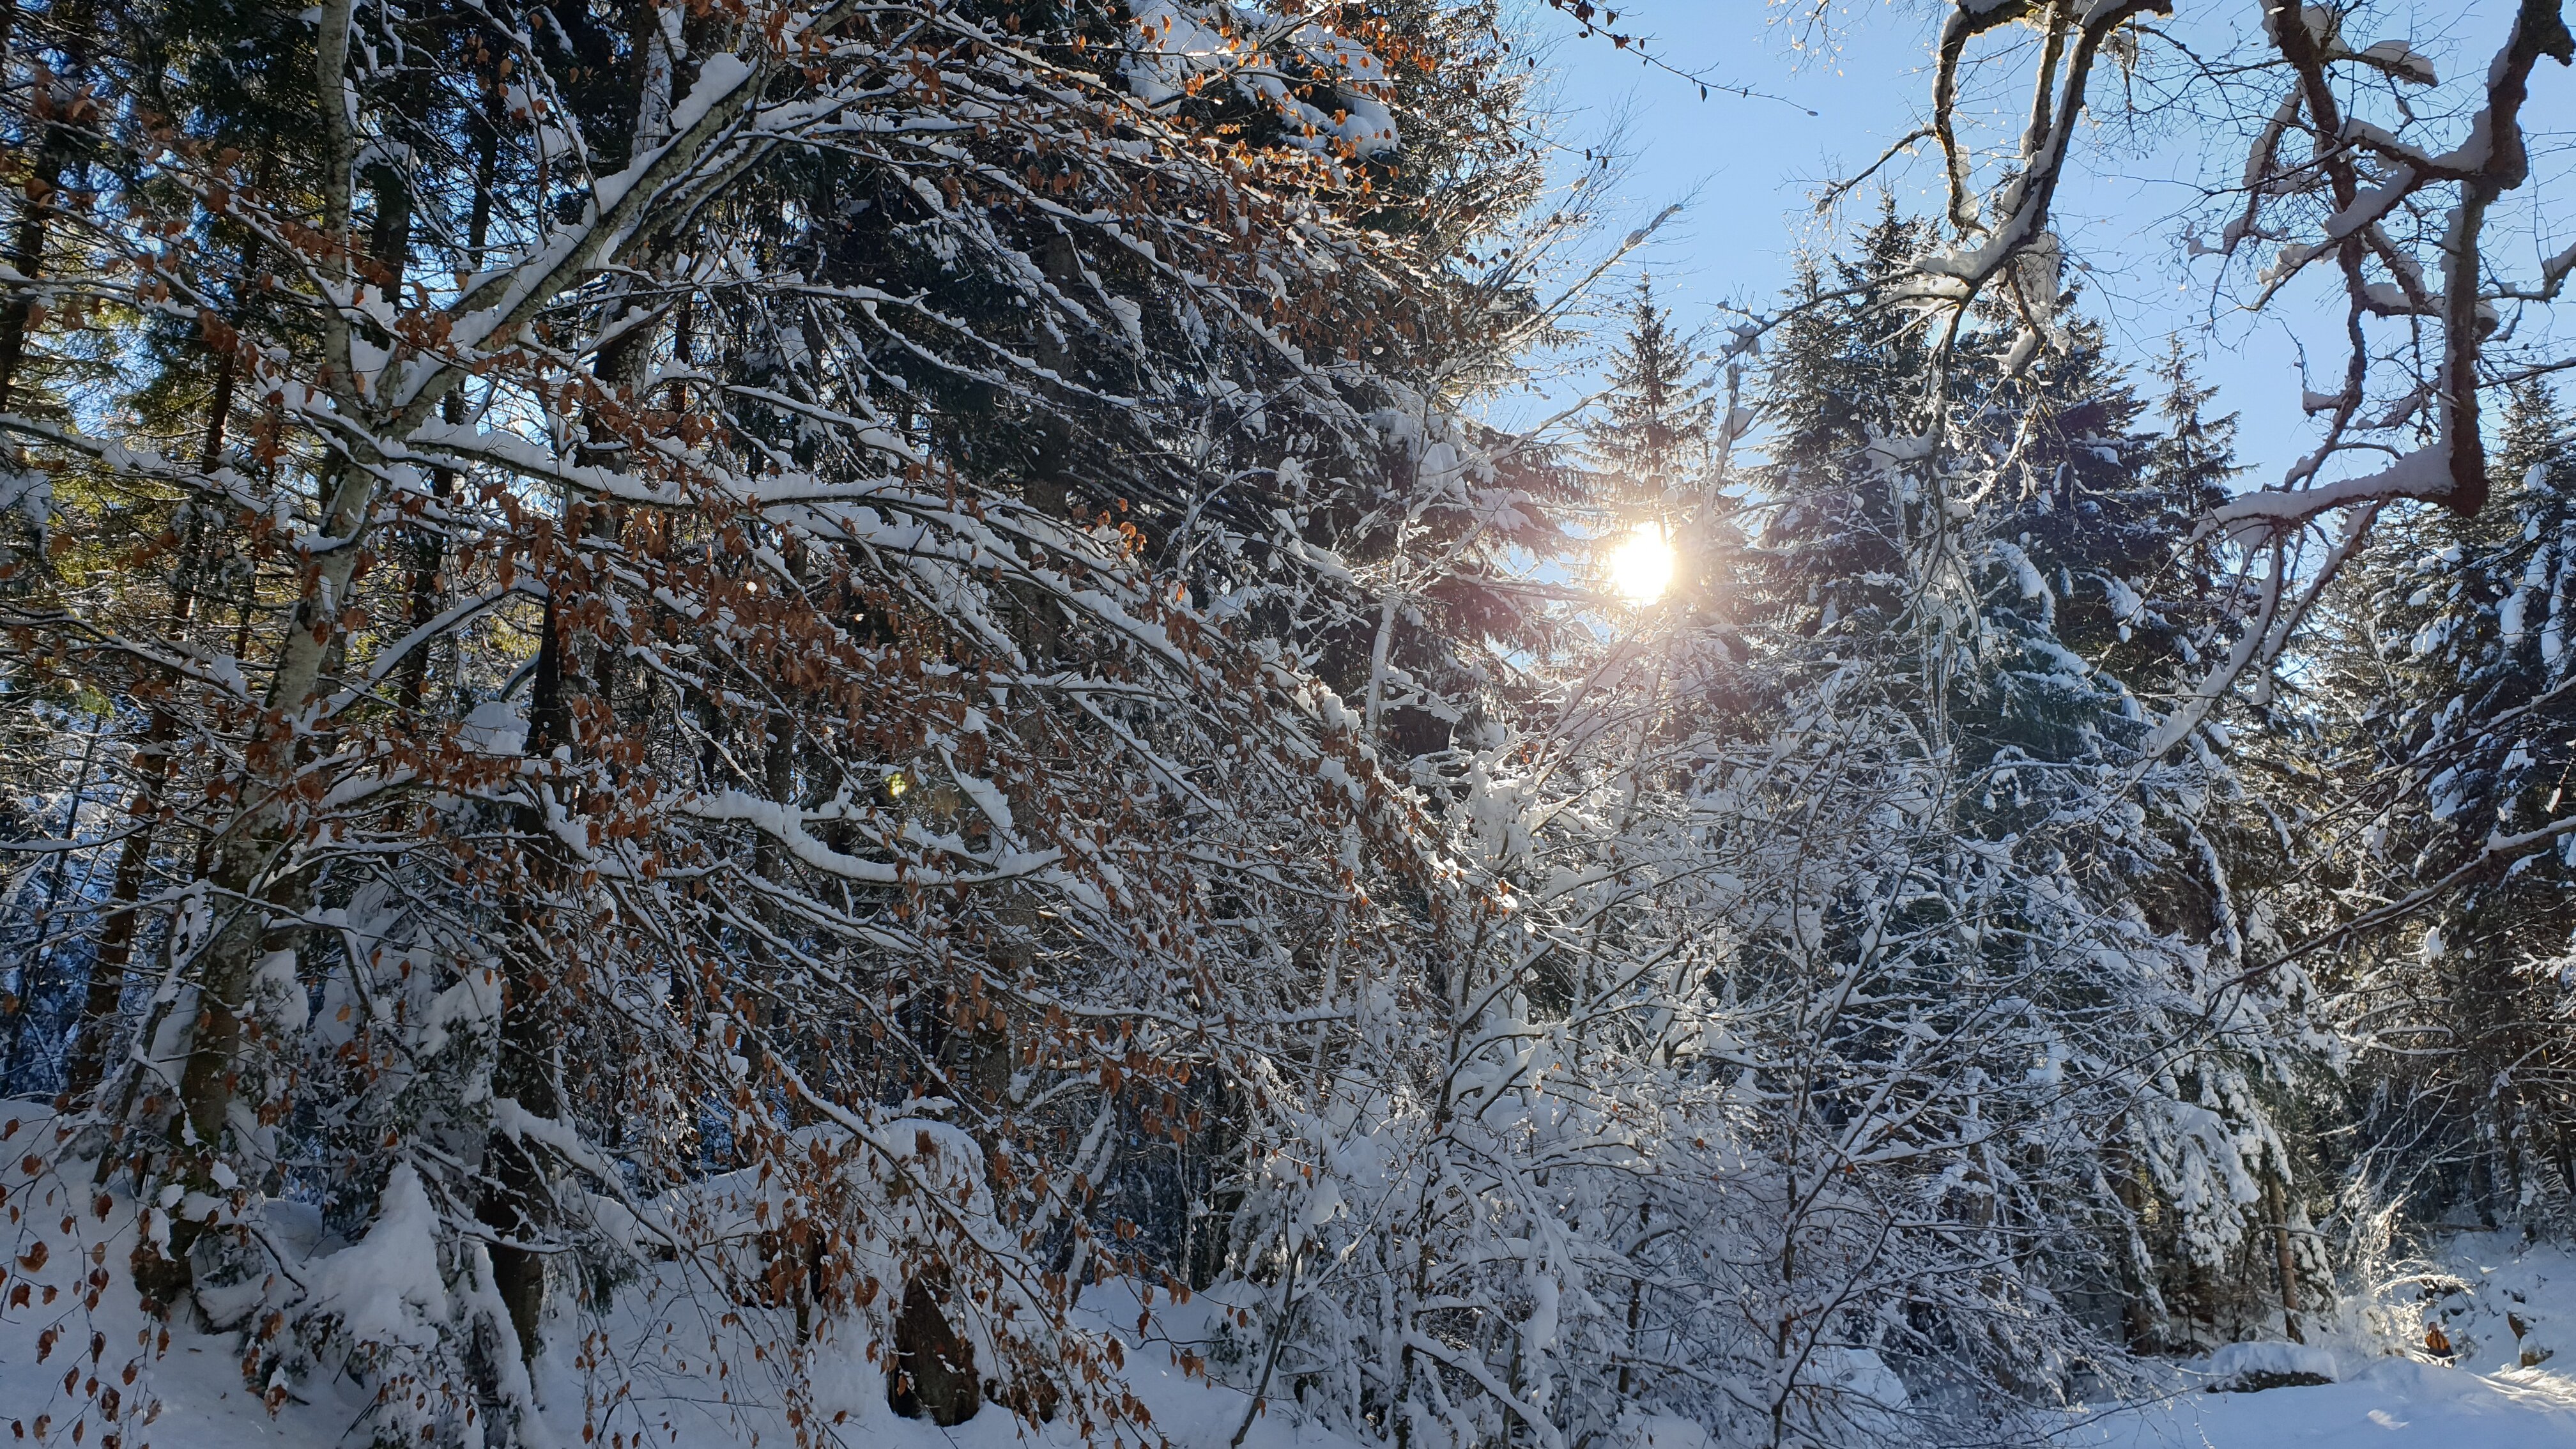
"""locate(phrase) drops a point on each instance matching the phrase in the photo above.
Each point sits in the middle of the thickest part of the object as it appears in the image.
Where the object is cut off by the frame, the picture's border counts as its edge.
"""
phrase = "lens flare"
(1641, 566)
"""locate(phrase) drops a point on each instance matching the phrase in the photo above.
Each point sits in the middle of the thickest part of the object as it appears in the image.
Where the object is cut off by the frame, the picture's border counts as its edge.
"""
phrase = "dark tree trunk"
(517, 1206)
(56, 157)
(88, 1064)
(934, 1369)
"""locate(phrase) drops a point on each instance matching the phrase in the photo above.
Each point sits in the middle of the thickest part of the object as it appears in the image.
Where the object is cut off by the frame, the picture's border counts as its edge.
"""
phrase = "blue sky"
(1749, 167)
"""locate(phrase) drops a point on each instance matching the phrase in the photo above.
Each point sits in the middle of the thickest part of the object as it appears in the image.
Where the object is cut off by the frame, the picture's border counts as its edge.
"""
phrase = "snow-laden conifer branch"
(2402, 219)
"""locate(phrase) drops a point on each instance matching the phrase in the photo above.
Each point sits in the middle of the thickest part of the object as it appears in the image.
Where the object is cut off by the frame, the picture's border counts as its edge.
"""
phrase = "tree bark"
(106, 994)
(243, 866)
(934, 1369)
(55, 159)
(2285, 1261)
(515, 1206)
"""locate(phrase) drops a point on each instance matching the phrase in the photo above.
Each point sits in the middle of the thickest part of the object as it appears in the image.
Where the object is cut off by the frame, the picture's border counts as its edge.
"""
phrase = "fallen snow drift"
(2392, 1404)
(667, 1359)
(2502, 1307)
(672, 1364)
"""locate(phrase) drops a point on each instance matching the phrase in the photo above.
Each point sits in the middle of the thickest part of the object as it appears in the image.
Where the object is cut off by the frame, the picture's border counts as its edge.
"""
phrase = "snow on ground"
(2390, 1403)
(667, 1369)
(2506, 1310)
(672, 1364)
(205, 1405)
(2385, 1404)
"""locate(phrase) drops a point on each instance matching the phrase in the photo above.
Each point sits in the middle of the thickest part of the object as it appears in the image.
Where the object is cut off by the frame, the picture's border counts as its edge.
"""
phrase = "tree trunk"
(516, 1206)
(106, 994)
(2285, 1261)
(934, 1369)
(255, 840)
(55, 159)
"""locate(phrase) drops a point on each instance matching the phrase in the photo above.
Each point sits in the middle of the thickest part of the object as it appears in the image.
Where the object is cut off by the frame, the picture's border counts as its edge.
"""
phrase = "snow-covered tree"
(2444, 694)
(1985, 560)
(826, 710)
(772, 705)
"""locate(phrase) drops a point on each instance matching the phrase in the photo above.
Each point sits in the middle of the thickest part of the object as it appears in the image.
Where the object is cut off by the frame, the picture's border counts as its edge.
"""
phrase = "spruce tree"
(1656, 437)
(1658, 462)
(1848, 367)
(1986, 554)
(2474, 739)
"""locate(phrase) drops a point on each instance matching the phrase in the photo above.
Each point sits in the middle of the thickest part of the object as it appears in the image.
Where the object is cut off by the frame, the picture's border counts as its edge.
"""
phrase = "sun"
(1641, 565)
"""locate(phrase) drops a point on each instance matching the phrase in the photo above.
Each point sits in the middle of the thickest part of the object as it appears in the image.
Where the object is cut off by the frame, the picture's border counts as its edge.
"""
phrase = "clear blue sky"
(1749, 168)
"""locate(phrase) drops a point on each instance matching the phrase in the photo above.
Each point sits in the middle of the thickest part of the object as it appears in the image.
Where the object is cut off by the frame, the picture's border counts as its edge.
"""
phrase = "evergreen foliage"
(2460, 725)
(861, 677)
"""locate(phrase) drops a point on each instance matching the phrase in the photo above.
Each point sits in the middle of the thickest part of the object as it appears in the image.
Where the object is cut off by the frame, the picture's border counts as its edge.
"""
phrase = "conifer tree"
(788, 707)
(1656, 435)
(1658, 455)
(1992, 565)
(1846, 368)
(2470, 727)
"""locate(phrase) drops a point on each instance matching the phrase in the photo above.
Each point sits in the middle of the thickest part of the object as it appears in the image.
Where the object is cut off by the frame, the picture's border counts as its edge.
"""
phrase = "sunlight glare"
(1642, 565)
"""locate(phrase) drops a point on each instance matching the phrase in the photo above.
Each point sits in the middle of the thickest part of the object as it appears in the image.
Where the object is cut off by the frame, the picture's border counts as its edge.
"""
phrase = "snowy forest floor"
(664, 1368)
(2385, 1403)
(2498, 1302)
(2392, 1402)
